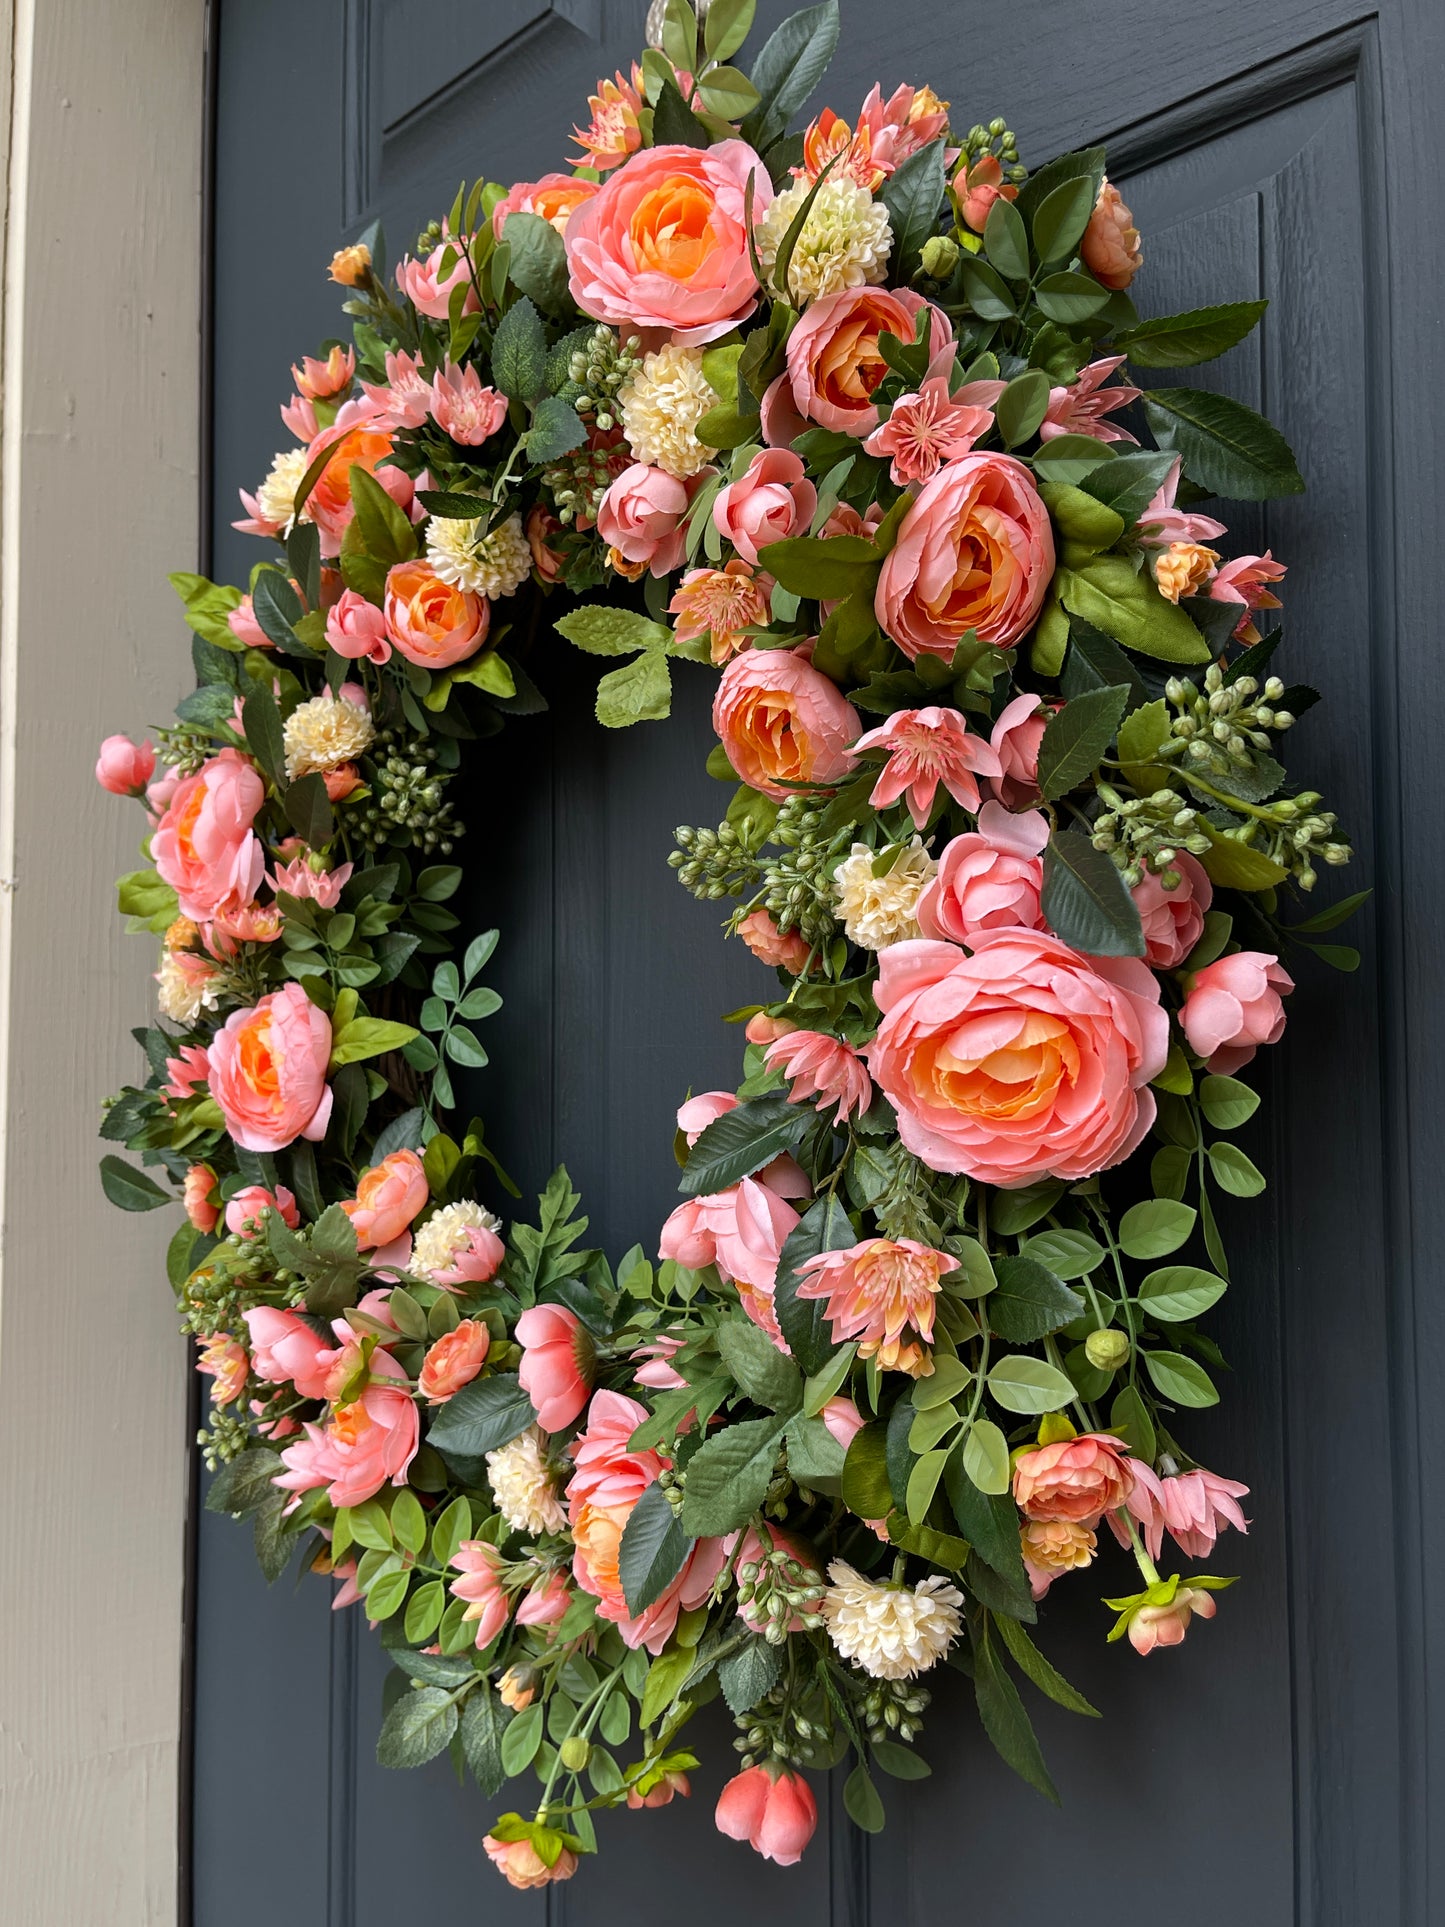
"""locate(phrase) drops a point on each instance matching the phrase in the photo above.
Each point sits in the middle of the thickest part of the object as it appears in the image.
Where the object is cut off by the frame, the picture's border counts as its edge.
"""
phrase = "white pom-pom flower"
(325, 733)
(492, 564)
(523, 1486)
(661, 407)
(446, 1234)
(891, 1632)
(880, 910)
(845, 242)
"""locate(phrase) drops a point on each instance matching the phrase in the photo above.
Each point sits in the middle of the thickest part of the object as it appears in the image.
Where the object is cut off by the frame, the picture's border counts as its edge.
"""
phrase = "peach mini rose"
(454, 1360)
(1077, 1480)
(204, 846)
(771, 946)
(1052, 1547)
(664, 245)
(124, 768)
(770, 501)
(199, 1198)
(388, 1197)
(520, 1864)
(1016, 737)
(642, 513)
(268, 1071)
(1235, 1005)
(243, 1211)
(430, 621)
(783, 722)
(834, 362)
(356, 628)
(1173, 920)
(975, 551)
(1111, 241)
(1020, 1061)
(556, 198)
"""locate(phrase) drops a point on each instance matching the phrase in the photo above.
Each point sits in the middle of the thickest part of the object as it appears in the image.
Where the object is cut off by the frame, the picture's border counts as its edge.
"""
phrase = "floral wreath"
(1006, 818)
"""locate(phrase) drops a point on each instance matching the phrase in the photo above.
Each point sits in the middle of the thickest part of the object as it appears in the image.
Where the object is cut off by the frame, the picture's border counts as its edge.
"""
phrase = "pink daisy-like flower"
(721, 604)
(405, 397)
(188, 1074)
(927, 747)
(932, 427)
(614, 131)
(1244, 580)
(823, 1067)
(481, 1586)
(469, 412)
(875, 1292)
(1080, 409)
(1161, 525)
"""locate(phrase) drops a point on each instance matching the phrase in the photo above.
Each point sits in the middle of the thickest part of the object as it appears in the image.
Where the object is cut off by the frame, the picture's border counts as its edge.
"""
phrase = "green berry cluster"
(999, 140)
(1146, 833)
(777, 1588)
(406, 803)
(1218, 729)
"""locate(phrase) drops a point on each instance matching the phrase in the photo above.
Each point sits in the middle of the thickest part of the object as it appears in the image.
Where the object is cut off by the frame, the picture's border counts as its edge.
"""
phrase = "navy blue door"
(1276, 1769)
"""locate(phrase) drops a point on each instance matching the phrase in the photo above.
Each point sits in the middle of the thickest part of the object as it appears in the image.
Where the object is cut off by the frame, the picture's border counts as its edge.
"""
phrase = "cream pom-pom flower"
(661, 407)
(880, 910)
(523, 1486)
(276, 497)
(891, 1632)
(437, 1244)
(845, 242)
(325, 733)
(492, 564)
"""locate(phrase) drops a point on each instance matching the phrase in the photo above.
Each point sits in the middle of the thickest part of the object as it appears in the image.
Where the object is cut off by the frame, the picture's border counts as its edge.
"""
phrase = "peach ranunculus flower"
(771, 500)
(721, 604)
(1016, 736)
(1245, 580)
(558, 1359)
(614, 131)
(1110, 246)
(373, 1439)
(1183, 569)
(1235, 1005)
(388, 1197)
(1173, 920)
(356, 440)
(788, 951)
(268, 1071)
(881, 1292)
(520, 1864)
(834, 363)
(454, 1360)
(1077, 1480)
(226, 1364)
(927, 747)
(432, 622)
(823, 1067)
(204, 846)
(772, 1808)
(1052, 1547)
(642, 515)
(1022, 1061)
(555, 198)
(243, 1211)
(989, 879)
(975, 551)
(783, 722)
(609, 1480)
(199, 1198)
(664, 245)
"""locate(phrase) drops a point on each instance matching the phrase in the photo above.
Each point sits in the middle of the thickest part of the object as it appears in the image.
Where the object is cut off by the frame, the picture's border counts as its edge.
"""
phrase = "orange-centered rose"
(782, 721)
(430, 621)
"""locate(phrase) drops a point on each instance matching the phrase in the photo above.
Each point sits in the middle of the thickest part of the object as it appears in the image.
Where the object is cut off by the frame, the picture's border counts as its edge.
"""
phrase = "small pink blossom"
(1161, 524)
(481, 1586)
(1235, 1005)
(990, 879)
(1245, 580)
(188, 1074)
(770, 1807)
(770, 501)
(356, 629)
(1080, 409)
(322, 887)
(1015, 740)
(763, 1029)
(926, 429)
(404, 399)
(467, 411)
(123, 767)
(655, 1372)
(244, 627)
(643, 516)
(790, 951)
(300, 417)
(198, 1196)
(1152, 1626)
(927, 747)
(546, 1602)
(1193, 1507)
(243, 1211)
(741, 1230)
(287, 1351)
(225, 1363)
(324, 380)
(824, 1067)
(843, 1420)
(429, 287)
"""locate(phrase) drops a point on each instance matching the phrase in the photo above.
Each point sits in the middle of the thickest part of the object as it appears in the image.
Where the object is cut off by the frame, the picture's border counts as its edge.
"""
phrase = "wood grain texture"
(100, 494)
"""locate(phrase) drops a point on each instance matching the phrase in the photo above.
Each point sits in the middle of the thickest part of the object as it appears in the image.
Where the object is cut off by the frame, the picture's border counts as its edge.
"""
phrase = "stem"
(578, 1730)
(1146, 1565)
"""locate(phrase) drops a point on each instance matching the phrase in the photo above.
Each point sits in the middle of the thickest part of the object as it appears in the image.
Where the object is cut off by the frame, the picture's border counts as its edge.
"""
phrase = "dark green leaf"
(1030, 1302)
(789, 67)
(821, 570)
(653, 1550)
(757, 1366)
(277, 609)
(1006, 1722)
(824, 1226)
(488, 1413)
(984, 290)
(1130, 482)
(309, 812)
(1182, 340)
(1061, 217)
(1076, 737)
(741, 1141)
(674, 124)
(746, 1675)
(538, 264)
(261, 725)
(913, 194)
(861, 1798)
(1024, 403)
(999, 1592)
(1006, 241)
(1227, 448)
(989, 1521)
(1086, 900)
(244, 1483)
(519, 353)
(556, 426)
(417, 1728)
(1031, 1662)
(728, 1476)
(132, 1190)
(1069, 297)
(483, 1723)
(898, 1760)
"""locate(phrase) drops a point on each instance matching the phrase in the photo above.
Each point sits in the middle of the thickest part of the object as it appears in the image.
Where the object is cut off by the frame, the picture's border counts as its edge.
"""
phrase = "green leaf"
(207, 605)
(277, 609)
(604, 631)
(1227, 1103)
(424, 1611)
(863, 1802)
(1006, 241)
(1086, 900)
(244, 1483)
(144, 895)
(1067, 1254)
(1227, 448)
(384, 525)
(821, 570)
(261, 725)
(1129, 1416)
(748, 1674)
(1154, 1229)
(1014, 1211)
(1106, 591)
(449, 1529)
(1025, 402)
(1029, 1304)
(666, 1678)
(538, 264)
(1069, 458)
(132, 1190)
(944, 1382)
(520, 1740)
(913, 195)
(757, 1366)
(367, 1037)
(1129, 483)
(1006, 1722)
(1069, 298)
(273, 1537)
(988, 1520)
(519, 353)
(483, 1725)
(898, 1760)
(726, 27)
(975, 1277)
(1177, 1293)
(824, 1226)
(1029, 1385)
(556, 428)
(727, 93)
(1180, 1380)
(417, 1728)
(1234, 1172)
(1236, 866)
(431, 1669)
(674, 124)
(923, 1483)
(463, 1046)
(488, 1413)
(1061, 217)
(308, 811)
(639, 692)
(1031, 1662)
(1182, 340)
(986, 293)
(866, 1488)
(653, 1550)
(1076, 737)
(986, 1457)
(728, 1476)
(1086, 524)
(789, 67)
(1141, 733)
(741, 1141)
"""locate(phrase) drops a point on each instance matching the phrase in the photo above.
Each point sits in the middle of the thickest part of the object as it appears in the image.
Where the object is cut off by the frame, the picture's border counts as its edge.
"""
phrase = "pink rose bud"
(769, 502)
(356, 629)
(124, 768)
(454, 1360)
(557, 1361)
(1235, 1005)
(1173, 919)
(770, 1807)
(388, 1197)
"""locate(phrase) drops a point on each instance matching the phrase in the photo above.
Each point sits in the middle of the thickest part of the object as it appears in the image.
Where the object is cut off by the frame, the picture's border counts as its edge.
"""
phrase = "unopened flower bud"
(350, 266)
(574, 1752)
(940, 257)
(1106, 1350)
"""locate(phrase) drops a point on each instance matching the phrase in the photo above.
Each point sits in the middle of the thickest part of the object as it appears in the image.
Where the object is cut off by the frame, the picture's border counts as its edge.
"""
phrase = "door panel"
(1273, 1769)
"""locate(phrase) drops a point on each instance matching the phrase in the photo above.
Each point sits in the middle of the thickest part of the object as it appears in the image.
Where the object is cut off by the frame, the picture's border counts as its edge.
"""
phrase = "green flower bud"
(940, 257)
(1106, 1350)
(575, 1752)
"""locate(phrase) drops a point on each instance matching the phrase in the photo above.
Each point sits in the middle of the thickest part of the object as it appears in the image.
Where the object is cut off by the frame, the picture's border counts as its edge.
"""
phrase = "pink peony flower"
(876, 1292)
(225, 1363)
(783, 722)
(927, 747)
(204, 846)
(364, 1444)
(975, 552)
(770, 501)
(322, 887)
(770, 946)
(188, 1074)
(1016, 737)
(770, 1807)
(1080, 408)
(242, 623)
(1111, 241)
(268, 1071)
(557, 1363)
(1161, 525)
(1153, 1626)
(123, 767)
(429, 286)
(1173, 920)
(403, 400)
(990, 879)
(1234, 1005)
(834, 363)
(243, 1211)
(463, 408)
(824, 1067)
(663, 244)
(323, 380)
(927, 429)
(356, 629)
(609, 1480)
(1244, 580)
(643, 515)
(1022, 1060)
(229, 929)
(454, 1360)
(555, 198)
(546, 1602)
(520, 1864)
(287, 1351)
(742, 1231)
(388, 1197)
(480, 1585)
(1077, 1480)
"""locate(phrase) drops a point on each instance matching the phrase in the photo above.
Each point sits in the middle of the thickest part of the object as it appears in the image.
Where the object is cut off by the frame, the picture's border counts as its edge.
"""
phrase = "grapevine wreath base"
(844, 416)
